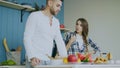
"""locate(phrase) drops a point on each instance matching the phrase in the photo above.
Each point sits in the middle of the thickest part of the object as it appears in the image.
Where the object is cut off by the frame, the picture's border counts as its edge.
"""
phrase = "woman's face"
(78, 27)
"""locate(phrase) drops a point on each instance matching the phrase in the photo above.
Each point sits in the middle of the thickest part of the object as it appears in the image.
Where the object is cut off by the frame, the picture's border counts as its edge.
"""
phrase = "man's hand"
(35, 61)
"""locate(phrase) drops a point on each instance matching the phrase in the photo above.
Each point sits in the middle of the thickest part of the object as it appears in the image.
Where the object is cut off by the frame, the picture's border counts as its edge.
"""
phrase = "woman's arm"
(69, 39)
(93, 45)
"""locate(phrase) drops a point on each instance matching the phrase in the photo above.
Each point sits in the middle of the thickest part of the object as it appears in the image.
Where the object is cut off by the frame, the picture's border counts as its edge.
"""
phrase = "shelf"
(16, 6)
(64, 29)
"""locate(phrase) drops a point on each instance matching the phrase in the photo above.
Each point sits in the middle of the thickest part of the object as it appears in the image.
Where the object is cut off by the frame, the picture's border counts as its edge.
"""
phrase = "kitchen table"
(15, 66)
(80, 66)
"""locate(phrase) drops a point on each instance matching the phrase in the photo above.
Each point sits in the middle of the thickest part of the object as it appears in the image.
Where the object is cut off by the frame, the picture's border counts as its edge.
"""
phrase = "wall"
(104, 21)
(12, 28)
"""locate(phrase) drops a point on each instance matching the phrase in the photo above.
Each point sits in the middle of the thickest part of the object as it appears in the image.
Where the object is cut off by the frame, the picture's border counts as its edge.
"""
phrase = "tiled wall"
(12, 28)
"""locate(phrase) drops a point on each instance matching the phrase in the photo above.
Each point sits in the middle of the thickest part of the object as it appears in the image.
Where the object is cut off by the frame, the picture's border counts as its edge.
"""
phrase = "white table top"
(15, 66)
(80, 66)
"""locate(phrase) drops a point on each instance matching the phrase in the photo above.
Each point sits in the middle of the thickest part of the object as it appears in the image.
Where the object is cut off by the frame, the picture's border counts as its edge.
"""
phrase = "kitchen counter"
(80, 66)
(16, 66)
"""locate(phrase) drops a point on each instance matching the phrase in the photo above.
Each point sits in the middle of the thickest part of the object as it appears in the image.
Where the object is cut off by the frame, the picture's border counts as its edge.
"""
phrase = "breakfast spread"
(86, 58)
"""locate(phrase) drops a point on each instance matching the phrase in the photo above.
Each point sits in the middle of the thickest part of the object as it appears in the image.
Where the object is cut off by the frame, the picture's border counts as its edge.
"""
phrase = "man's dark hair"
(62, 0)
(48, 0)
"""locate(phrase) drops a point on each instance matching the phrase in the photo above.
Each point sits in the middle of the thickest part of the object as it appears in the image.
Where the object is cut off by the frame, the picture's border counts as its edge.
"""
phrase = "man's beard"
(52, 11)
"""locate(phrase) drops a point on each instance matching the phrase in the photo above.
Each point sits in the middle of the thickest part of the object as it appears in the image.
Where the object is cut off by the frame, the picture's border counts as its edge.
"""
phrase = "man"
(41, 29)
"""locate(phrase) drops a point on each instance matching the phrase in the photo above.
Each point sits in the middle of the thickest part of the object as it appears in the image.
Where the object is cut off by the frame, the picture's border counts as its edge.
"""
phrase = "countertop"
(16, 66)
(80, 66)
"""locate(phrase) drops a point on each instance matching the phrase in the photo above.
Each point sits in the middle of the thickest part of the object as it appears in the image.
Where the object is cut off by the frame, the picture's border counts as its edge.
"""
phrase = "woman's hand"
(72, 39)
(35, 61)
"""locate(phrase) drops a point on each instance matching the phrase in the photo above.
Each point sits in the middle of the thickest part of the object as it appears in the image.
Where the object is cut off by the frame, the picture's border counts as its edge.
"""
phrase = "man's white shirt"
(39, 36)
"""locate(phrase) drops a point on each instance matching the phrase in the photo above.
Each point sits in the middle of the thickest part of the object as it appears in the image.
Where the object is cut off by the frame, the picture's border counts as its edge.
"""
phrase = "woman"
(78, 41)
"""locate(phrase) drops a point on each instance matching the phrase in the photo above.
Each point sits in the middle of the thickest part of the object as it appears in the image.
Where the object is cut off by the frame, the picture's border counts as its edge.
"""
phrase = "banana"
(100, 60)
(109, 56)
(5, 45)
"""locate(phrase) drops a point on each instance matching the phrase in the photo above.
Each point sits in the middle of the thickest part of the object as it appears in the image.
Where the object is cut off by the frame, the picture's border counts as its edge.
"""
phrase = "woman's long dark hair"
(85, 30)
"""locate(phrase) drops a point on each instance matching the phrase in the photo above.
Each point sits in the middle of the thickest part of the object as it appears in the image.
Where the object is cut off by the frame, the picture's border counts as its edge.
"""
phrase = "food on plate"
(65, 60)
(72, 58)
(81, 56)
(100, 60)
(85, 58)
(78, 60)
(109, 56)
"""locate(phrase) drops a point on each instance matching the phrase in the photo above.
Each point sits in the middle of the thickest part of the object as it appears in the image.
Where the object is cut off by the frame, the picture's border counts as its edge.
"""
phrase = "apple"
(62, 26)
(88, 58)
(81, 56)
(72, 58)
